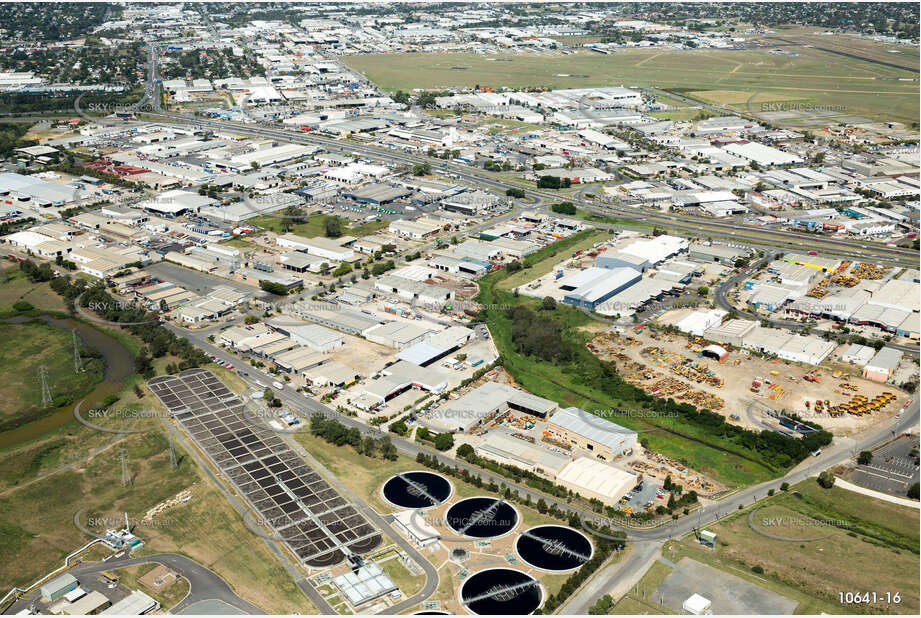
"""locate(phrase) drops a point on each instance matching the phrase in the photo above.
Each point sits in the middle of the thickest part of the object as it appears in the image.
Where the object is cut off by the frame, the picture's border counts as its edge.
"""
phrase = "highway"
(694, 225)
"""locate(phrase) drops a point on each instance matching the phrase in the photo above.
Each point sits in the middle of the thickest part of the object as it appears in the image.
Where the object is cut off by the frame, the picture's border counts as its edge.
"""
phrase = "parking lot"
(727, 593)
(192, 280)
(893, 469)
(638, 500)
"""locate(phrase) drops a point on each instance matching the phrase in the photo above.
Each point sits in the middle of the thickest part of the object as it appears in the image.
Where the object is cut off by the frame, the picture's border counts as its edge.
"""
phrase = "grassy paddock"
(819, 76)
(314, 226)
(814, 572)
(15, 286)
(31, 345)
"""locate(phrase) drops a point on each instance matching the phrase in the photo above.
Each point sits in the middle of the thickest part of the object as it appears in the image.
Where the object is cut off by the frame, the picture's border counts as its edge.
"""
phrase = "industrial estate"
(447, 308)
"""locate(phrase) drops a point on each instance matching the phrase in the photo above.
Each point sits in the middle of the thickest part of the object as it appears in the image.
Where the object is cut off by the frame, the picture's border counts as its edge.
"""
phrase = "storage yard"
(670, 365)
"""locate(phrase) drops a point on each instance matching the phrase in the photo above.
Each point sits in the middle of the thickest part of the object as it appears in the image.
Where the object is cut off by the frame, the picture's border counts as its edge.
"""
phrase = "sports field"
(808, 74)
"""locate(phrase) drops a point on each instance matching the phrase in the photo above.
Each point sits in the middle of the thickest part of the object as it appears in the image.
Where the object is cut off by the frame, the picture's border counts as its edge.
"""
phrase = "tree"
(553, 182)
(541, 506)
(368, 446)
(399, 428)
(333, 227)
(342, 269)
(784, 486)
(273, 288)
(913, 491)
(564, 208)
(826, 479)
(602, 606)
(519, 193)
(548, 303)
(865, 458)
(422, 169)
(703, 291)
(464, 451)
(444, 441)
(388, 450)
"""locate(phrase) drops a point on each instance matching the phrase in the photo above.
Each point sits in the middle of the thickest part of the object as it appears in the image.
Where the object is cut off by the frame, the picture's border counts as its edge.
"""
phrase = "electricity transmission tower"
(172, 453)
(46, 390)
(78, 362)
(123, 457)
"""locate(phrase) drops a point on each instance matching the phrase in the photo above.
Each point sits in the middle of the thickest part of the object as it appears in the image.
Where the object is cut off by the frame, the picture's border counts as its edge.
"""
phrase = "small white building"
(697, 605)
(415, 527)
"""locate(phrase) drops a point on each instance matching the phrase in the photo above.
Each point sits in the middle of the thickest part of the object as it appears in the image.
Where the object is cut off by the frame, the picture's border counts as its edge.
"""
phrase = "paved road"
(912, 504)
(475, 175)
(204, 584)
(615, 579)
(722, 301)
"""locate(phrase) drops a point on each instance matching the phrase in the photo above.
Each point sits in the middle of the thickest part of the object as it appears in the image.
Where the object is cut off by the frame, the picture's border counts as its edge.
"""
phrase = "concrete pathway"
(912, 504)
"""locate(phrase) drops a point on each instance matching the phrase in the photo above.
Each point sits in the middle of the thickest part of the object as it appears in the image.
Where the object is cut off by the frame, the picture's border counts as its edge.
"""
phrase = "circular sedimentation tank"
(501, 591)
(482, 517)
(553, 548)
(417, 490)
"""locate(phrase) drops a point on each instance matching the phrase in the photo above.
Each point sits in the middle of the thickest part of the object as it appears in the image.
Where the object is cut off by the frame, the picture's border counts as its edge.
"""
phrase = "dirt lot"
(361, 355)
(651, 361)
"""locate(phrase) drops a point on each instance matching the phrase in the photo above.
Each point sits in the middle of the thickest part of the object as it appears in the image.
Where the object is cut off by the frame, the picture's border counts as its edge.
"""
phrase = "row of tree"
(335, 432)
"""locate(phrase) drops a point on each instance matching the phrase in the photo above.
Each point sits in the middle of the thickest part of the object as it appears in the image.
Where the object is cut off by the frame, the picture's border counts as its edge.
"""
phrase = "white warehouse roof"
(597, 478)
(761, 154)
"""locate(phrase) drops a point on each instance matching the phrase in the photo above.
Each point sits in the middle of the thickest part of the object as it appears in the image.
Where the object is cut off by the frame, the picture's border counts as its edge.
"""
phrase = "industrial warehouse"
(493, 308)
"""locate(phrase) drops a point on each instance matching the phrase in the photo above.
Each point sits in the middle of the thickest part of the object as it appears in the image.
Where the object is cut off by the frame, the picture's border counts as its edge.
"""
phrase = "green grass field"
(314, 226)
(819, 77)
(38, 344)
(15, 286)
(814, 572)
